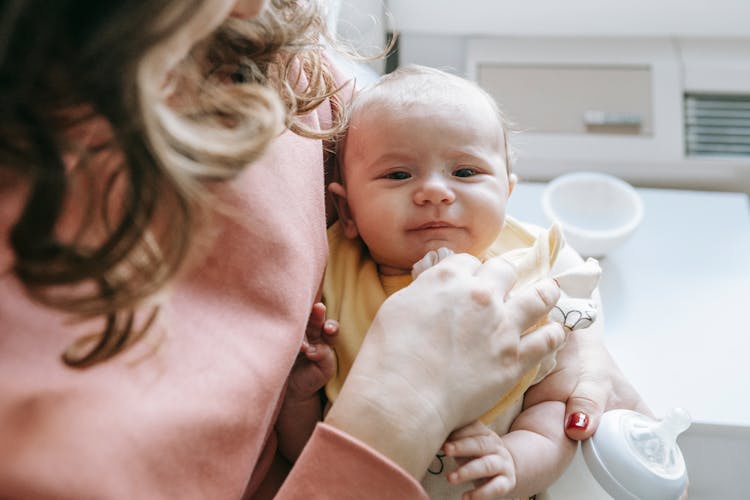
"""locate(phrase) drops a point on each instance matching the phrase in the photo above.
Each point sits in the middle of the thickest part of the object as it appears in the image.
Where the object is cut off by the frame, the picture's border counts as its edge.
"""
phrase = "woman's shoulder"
(118, 428)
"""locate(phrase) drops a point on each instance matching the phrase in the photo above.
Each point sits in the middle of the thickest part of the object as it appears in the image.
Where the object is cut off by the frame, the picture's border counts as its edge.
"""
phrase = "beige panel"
(547, 98)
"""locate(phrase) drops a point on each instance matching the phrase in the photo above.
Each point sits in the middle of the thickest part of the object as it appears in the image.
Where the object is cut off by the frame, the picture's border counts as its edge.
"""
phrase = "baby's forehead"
(425, 90)
(384, 106)
(434, 98)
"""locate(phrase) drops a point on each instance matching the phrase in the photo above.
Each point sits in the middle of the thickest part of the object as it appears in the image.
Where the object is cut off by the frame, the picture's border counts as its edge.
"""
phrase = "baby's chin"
(452, 246)
(405, 263)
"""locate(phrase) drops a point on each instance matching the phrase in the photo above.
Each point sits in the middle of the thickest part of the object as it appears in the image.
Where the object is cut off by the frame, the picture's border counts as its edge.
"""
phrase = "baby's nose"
(434, 190)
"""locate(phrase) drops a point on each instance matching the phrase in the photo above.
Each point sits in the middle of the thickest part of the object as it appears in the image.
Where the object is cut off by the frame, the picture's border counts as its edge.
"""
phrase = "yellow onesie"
(353, 291)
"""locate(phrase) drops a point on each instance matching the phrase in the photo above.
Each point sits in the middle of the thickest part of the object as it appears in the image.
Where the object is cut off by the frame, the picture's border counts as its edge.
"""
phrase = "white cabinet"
(616, 104)
(554, 89)
(596, 84)
(572, 99)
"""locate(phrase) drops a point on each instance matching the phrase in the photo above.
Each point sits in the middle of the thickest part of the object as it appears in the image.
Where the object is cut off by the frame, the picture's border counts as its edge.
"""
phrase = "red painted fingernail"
(578, 420)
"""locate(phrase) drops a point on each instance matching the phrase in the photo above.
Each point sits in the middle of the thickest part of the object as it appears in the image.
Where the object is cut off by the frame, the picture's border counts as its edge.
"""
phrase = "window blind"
(717, 125)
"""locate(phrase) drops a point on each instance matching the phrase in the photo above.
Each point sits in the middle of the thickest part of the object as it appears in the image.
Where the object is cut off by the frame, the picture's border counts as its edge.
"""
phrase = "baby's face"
(425, 176)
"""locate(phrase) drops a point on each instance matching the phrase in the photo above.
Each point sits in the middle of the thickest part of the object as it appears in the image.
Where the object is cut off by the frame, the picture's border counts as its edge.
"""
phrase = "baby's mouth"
(433, 225)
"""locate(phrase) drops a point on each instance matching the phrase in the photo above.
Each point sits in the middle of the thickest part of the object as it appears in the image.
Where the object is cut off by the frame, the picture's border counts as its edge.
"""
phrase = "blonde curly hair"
(71, 62)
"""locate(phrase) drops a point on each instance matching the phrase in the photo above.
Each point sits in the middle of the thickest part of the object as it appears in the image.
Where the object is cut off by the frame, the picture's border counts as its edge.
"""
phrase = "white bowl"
(597, 212)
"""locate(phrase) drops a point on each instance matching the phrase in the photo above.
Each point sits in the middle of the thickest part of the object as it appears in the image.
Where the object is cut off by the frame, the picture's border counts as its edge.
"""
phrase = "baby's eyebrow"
(474, 159)
(391, 157)
(479, 153)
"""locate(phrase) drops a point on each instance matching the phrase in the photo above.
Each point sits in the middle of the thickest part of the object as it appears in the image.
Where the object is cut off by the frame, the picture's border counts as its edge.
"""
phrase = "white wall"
(683, 18)
(710, 41)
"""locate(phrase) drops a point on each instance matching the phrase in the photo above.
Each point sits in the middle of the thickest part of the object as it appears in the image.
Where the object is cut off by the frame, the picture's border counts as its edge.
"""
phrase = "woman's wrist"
(396, 424)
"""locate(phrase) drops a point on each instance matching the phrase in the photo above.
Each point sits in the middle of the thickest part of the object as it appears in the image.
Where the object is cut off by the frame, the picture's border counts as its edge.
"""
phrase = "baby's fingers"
(489, 466)
(330, 331)
(497, 487)
(320, 347)
(473, 429)
(474, 445)
(316, 322)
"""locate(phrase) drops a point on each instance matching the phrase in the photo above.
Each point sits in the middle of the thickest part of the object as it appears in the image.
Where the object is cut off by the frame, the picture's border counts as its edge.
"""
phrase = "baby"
(424, 172)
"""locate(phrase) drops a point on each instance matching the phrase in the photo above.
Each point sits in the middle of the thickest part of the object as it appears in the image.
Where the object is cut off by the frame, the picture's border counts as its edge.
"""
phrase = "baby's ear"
(512, 181)
(342, 207)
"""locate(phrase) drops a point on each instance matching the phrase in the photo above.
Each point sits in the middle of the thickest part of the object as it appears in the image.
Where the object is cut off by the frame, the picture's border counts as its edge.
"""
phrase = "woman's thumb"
(583, 412)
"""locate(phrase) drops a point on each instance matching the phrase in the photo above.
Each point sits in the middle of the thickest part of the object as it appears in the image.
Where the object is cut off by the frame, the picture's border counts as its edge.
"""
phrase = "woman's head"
(153, 79)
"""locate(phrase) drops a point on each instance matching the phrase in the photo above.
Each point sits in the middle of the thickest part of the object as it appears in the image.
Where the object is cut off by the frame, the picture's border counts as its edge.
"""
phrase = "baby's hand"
(430, 259)
(486, 461)
(316, 363)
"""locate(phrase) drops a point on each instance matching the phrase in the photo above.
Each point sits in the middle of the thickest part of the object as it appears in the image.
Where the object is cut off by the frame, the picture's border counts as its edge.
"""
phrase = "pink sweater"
(189, 412)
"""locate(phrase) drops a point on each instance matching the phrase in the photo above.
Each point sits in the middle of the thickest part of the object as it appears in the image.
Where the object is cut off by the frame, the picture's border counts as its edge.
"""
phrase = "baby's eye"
(399, 176)
(465, 172)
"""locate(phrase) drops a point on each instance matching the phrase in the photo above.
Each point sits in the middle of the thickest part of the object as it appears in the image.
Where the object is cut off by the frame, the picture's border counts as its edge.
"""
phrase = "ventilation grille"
(717, 125)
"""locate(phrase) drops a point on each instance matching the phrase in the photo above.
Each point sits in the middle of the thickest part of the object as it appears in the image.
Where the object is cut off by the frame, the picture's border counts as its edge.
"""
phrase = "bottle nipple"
(654, 442)
(676, 421)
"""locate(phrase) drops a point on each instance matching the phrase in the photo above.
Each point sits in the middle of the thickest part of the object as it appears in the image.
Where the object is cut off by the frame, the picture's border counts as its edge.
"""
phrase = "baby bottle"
(635, 457)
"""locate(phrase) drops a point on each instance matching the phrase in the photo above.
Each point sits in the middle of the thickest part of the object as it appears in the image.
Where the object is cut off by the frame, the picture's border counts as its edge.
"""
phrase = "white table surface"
(677, 301)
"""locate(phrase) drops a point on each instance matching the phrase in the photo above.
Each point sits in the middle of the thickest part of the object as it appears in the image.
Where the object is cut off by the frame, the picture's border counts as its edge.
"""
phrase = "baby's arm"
(537, 442)
(540, 449)
(525, 461)
(302, 408)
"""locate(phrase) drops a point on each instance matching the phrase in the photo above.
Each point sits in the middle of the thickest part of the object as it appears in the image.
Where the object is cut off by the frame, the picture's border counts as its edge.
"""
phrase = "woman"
(154, 292)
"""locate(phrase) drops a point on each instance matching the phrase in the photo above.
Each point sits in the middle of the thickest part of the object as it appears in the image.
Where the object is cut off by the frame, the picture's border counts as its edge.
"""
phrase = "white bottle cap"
(634, 457)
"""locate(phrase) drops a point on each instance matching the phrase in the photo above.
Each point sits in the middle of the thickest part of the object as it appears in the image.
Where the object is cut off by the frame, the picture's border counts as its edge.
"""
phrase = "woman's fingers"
(526, 306)
(540, 342)
(453, 265)
(596, 393)
(500, 273)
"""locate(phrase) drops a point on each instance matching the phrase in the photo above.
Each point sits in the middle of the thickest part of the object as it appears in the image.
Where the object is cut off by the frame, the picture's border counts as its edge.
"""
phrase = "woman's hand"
(439, 353)
(588, 380)
(586, 376)
(597, 385)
